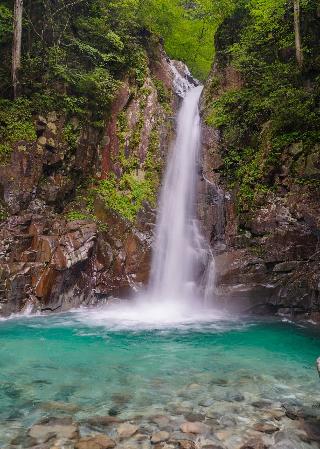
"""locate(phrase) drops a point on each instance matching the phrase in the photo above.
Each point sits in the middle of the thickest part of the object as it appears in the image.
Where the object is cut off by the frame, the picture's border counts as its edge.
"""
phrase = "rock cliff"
(77, 202)
(260, 186)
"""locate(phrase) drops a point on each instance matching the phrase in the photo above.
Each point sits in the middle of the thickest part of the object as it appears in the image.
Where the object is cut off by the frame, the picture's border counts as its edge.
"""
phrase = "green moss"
(163, 94)
(102, 227)
(139, 182)
(153, 164)
(5, 151)
(71, 135)
(128, 162)
(75, 215)
(3, 213)
(16, 124)
(258, 251)
(127, 196)
(140, 67)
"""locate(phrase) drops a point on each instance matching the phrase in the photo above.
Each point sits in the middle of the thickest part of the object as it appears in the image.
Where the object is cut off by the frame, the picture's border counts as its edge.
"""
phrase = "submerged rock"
(179, 436)
(95, 442)
(206, 402)
(186, 444)
(227, 421)
(126, 430)
(194, 417)
(194, 427)
(58, 405)
(254, 443)
(103, 420)
(312, 428)
(160, 437)
(265, 427)
(54, 428)
(24, 441)
(161, 421)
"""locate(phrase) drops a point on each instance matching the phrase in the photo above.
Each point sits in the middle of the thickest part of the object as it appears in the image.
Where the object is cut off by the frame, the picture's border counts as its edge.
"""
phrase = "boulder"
(95, 442)
(194, 427)
(194, 417)
(160, 437)
(126, 430)
(265, 427)
(103, 420)
(50, 428)
(161, 421)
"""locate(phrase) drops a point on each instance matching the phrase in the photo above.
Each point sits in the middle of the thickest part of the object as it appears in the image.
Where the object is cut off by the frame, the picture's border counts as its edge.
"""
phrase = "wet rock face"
(271, 265)
(47, 169)
(267, 258)
(54, 264)
(51, 263)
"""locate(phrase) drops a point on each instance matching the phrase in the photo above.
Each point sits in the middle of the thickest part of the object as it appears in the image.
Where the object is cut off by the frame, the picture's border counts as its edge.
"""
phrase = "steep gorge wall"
(260, 198)
(77, 203)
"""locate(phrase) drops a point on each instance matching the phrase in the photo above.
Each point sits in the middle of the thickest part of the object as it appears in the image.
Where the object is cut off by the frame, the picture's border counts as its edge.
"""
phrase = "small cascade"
(218, 199)
(182, 78)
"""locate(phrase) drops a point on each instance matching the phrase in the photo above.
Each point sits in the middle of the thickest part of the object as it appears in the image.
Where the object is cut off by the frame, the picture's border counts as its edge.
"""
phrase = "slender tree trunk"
(16, 47)
(297, 32)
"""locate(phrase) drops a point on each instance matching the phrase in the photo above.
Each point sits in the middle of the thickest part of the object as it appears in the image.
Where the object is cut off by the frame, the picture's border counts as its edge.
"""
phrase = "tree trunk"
(16, 47)
(297, 32)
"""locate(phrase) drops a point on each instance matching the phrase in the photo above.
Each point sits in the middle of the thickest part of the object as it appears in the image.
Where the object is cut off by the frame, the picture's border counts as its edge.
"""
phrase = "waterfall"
(182, 270)
(179, 251)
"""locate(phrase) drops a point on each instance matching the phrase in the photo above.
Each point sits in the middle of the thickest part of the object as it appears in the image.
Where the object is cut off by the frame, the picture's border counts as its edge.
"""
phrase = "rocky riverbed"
(211, 423)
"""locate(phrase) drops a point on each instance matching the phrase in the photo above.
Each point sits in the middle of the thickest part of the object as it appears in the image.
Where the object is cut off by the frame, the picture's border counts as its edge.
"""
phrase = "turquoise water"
(60, 365)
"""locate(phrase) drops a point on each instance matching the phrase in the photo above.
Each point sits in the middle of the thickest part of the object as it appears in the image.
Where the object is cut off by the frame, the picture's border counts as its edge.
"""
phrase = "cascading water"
(176, 249)
(181, 264)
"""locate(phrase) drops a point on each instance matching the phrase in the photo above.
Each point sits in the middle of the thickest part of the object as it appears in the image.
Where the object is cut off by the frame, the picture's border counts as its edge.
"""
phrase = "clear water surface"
(93, 367)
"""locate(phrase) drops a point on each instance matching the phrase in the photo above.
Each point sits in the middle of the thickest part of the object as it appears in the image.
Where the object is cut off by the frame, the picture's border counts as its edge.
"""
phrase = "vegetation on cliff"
(72, 57)
(76, 55)
(263, 95)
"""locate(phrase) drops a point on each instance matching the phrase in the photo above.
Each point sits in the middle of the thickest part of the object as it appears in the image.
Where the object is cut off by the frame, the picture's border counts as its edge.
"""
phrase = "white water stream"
(178, 244)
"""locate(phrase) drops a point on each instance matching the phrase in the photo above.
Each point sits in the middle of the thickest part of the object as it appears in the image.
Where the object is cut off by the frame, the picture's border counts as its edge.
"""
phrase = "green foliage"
(127, 196)
(75, 53)
(6, 21)
(3, 213)
(187, 32)
(140, 66)
(15, 124)
(276, 104)
(71, 135)
(162, 92)
(98, 86)
(75, 215)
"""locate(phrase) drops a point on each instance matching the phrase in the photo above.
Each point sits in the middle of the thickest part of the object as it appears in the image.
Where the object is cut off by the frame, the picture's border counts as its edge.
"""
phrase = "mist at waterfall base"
(175, 294)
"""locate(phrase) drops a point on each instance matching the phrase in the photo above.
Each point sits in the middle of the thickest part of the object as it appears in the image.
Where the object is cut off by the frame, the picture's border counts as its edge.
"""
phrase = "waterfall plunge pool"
(229, 373)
